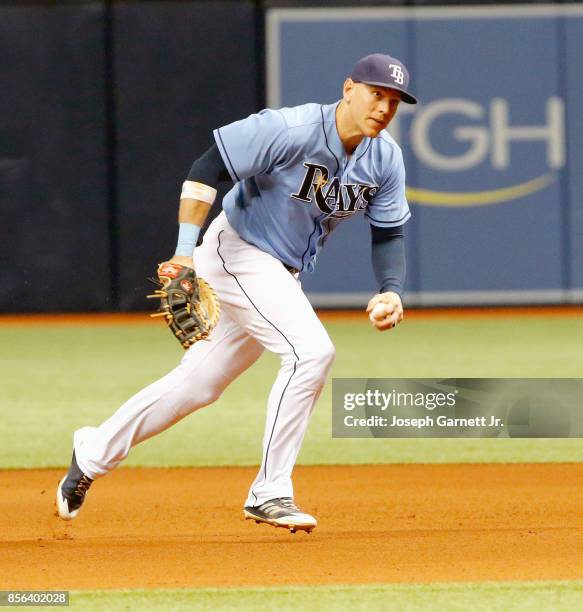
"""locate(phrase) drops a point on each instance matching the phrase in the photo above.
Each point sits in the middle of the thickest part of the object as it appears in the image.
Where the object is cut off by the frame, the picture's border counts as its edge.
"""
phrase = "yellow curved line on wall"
(478, 198)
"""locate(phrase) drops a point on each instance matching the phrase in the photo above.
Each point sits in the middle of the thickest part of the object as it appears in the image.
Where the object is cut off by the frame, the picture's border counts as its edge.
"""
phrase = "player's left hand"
(187, 302)
(385, 310)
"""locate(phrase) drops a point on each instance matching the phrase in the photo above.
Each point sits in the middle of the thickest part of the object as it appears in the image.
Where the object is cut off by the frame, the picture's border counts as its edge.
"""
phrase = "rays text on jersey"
(331, 196)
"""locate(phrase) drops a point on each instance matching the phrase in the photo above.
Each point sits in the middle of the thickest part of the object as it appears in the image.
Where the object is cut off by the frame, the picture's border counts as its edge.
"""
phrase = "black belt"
(290, 269)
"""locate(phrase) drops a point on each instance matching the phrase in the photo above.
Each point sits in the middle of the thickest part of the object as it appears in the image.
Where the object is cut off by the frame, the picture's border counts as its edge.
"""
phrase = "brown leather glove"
(188, 303)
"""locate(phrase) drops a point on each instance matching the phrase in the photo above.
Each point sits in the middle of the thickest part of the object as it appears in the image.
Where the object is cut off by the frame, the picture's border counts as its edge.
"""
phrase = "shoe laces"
(83, 486)
(288, 502)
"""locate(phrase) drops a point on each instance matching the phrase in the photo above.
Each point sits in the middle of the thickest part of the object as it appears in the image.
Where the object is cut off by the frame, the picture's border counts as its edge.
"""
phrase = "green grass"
(58, 378)
(406, 598)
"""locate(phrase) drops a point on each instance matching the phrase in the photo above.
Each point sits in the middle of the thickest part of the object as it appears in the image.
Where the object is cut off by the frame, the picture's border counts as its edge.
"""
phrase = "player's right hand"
(392, 310)
(183, 260)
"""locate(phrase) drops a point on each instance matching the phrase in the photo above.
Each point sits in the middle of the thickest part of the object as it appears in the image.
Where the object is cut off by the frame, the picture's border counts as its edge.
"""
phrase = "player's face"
(371, 108)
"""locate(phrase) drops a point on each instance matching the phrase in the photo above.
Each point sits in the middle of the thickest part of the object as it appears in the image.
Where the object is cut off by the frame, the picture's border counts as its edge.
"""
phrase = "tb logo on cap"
(397, 74)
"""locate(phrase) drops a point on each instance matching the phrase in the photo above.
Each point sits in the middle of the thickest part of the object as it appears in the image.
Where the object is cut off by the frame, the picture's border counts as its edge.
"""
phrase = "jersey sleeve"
(389, 206)
(253, 145)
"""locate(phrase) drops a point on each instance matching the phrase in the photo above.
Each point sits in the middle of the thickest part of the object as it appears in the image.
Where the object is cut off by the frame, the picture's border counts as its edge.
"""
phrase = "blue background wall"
(105, 104)
(525, 249)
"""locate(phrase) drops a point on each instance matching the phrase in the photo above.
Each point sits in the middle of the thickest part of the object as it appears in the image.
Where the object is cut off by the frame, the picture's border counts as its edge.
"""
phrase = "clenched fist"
(385, 310)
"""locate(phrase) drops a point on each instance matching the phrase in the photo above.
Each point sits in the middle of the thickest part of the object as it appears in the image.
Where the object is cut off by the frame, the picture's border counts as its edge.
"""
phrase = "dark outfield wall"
(103, 107)
(53, 159)
(102, 110)
(181, 69)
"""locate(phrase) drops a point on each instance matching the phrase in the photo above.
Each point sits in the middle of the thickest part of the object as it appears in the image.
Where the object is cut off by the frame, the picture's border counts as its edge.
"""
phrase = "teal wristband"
(187, 237)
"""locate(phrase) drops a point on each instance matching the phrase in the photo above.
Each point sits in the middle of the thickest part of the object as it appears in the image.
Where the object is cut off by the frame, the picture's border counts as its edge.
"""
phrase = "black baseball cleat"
(281, 512)
(71, 491)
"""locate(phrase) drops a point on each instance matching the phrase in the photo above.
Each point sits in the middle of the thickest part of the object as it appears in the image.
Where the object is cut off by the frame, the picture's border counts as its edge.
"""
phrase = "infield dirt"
(172, 528)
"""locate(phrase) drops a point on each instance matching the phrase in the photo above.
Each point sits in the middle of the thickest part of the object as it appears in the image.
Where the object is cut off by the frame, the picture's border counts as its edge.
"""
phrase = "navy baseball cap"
(383, 71)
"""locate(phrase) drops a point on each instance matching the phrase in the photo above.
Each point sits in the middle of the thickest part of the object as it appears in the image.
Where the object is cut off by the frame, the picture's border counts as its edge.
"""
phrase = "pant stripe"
(282, 335)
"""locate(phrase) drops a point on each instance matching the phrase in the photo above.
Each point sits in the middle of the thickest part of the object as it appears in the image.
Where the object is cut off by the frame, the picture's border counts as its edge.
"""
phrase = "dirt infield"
(112, 318)
(172, 528)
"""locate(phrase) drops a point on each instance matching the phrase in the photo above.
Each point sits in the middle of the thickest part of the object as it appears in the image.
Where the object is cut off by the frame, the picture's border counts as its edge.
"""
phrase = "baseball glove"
(188, 303)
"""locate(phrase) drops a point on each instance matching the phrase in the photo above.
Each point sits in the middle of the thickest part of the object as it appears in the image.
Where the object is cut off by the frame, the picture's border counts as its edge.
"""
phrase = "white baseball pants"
(262, 307)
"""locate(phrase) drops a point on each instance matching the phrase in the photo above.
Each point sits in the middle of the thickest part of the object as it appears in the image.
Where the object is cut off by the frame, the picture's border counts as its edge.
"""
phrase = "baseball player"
(297, 173)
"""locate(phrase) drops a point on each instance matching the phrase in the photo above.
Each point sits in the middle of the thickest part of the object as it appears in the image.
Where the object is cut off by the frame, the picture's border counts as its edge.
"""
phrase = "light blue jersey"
(294, 181)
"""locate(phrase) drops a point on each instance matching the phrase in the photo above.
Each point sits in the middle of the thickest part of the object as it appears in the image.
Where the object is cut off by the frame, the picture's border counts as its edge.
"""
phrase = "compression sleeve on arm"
(388, 257)
(209, 168)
